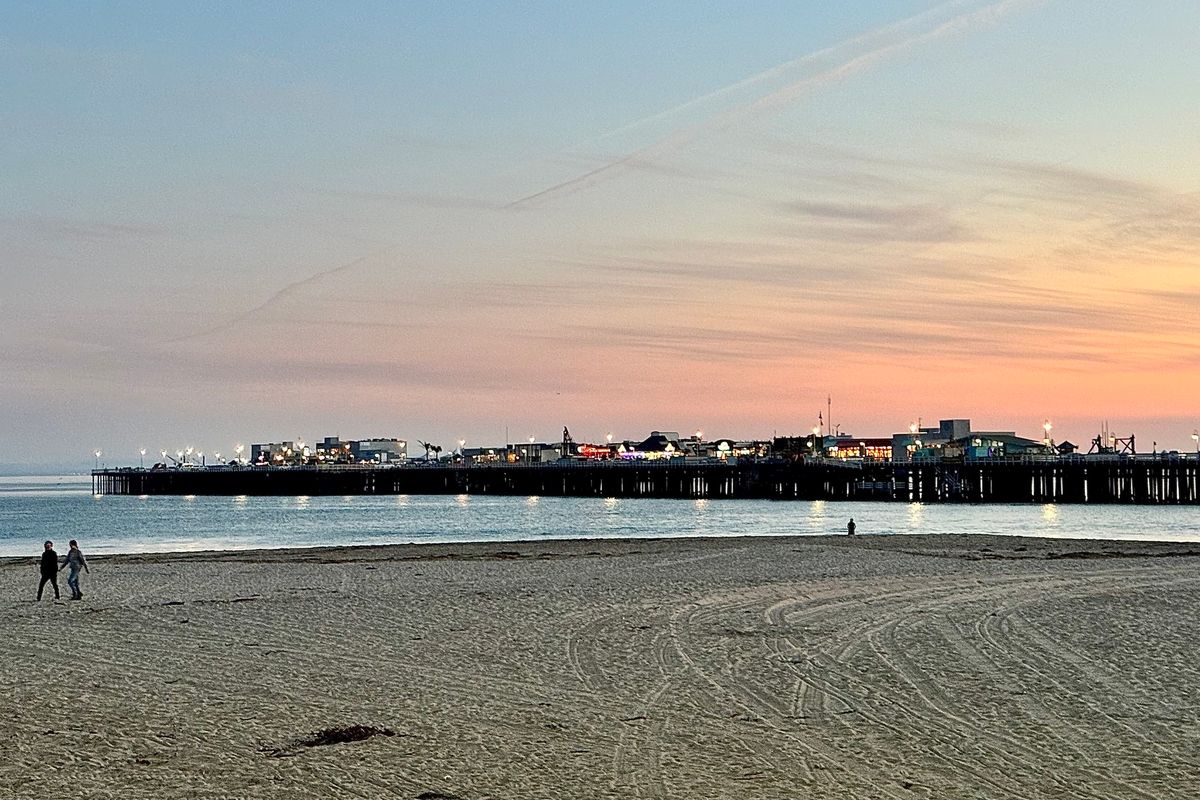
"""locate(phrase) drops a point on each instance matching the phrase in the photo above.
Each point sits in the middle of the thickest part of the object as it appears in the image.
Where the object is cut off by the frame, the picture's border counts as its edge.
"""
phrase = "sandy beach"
(873, 667)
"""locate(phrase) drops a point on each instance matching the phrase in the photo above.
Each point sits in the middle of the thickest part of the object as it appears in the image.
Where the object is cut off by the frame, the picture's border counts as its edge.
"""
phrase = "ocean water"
(33, 509)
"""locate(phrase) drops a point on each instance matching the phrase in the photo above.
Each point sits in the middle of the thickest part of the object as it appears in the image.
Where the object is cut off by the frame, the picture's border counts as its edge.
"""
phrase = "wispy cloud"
(416, 199)
(866, 223)
(59, 227)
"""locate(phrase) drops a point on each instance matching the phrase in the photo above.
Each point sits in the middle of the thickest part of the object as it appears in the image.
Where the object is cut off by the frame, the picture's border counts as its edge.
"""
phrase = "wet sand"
(872, 667)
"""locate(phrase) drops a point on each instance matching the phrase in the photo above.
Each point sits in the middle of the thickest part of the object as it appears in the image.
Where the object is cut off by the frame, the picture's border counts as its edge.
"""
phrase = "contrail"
(964, 23)
(779, 69)
(960, 24)
(273, 299)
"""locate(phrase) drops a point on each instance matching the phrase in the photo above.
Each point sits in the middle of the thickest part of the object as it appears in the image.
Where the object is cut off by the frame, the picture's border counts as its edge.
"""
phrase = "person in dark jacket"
(49, 570)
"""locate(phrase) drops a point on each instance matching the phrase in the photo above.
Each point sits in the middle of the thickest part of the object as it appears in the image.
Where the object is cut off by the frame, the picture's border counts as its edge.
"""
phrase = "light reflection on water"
(60, 508)
(916, 515)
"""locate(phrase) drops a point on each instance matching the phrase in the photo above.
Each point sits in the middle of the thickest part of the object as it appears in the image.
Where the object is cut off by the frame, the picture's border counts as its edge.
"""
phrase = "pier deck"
(1166, 479)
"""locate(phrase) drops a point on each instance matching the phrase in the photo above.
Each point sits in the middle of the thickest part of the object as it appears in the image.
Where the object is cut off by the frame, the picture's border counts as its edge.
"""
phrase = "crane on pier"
(1114, 445)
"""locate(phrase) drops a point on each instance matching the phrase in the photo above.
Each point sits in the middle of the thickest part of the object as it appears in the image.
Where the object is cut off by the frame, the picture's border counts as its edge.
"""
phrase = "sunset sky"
(430, 220)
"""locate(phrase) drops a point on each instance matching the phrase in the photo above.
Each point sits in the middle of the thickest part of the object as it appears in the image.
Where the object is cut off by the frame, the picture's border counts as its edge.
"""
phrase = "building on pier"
(273, 452)
(330, 450)
(381, 451)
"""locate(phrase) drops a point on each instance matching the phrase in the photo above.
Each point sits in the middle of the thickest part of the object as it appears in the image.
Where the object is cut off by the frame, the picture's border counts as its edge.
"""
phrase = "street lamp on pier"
(1046, 426)
(97, 454)
(530, 449)
(142, 458)
(1196, 441)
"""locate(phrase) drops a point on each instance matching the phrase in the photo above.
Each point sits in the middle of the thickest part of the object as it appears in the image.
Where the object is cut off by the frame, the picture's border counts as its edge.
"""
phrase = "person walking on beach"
(49, 570)
(850, 526)
(75, 562)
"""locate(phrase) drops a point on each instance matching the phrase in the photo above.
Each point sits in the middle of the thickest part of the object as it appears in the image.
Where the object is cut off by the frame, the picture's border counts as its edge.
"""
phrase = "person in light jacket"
(74, 562)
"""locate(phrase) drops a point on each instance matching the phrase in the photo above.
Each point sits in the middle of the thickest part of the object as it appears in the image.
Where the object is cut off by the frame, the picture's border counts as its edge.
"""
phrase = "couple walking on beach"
(51, 566)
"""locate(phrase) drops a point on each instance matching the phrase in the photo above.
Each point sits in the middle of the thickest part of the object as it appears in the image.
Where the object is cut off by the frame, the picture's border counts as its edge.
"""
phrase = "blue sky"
(259, 221)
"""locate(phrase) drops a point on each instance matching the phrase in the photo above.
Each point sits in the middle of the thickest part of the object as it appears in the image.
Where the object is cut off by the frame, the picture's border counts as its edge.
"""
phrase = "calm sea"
(33, 509)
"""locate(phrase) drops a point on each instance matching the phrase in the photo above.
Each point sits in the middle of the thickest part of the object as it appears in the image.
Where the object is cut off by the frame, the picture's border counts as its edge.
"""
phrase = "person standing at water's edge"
(49, 570)
(850, 526)
(75, 561)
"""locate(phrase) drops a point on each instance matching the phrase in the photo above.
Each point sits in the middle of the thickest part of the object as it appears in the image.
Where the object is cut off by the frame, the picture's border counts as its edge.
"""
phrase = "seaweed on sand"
(337, 734)
(342, 734)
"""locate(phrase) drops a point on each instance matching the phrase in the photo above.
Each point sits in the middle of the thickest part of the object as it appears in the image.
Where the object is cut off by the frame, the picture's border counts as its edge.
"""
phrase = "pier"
(1145, 479)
